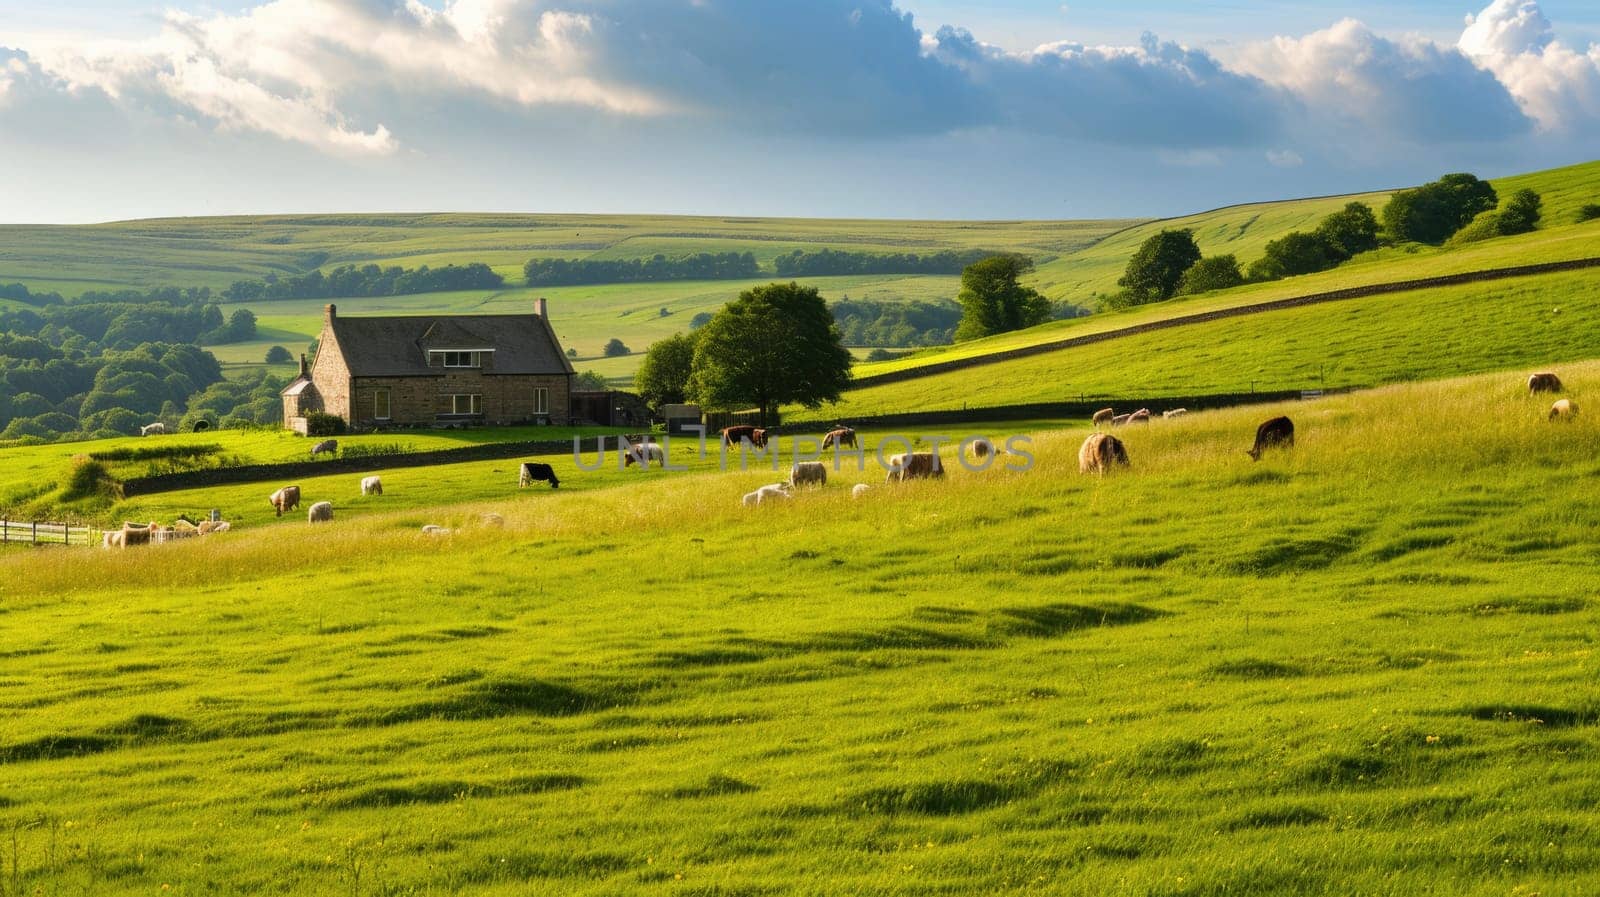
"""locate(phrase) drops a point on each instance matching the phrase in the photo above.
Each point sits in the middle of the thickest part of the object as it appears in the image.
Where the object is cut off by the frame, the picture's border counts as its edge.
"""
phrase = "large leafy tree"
(774, 344)
(1294, 253)
(994, 301)
(1349, 231)
(1215, 272)
(1158, 266)
(663, 376)
(1433, 212)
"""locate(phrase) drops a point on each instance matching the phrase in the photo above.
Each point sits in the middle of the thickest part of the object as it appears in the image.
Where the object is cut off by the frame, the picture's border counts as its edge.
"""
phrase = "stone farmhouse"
(433, 370)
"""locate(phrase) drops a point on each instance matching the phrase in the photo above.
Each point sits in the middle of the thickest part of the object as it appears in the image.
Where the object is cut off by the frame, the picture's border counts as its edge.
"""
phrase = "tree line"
(366, 280)
(1457, 208)
(825, 262)
(107, 362)
(698, 266)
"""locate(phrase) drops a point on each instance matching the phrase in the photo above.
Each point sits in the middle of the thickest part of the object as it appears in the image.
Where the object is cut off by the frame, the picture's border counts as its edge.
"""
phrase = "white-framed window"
(464, 403)
(541, 400)
(460, 358)
(380, 404)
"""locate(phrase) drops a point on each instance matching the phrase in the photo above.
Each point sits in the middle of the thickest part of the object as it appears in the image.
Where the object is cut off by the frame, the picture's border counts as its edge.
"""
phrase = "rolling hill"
(1360, 666)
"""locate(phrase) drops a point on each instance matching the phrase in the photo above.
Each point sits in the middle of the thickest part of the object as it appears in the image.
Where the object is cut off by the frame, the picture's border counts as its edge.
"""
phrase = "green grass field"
(1245, 230)
(217, 251)
(1418, 335)
(1361, 666)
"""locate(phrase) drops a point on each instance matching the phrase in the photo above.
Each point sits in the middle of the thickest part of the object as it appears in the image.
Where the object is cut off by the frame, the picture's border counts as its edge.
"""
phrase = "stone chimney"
(305, 371)
(330, 311)
(539, 308)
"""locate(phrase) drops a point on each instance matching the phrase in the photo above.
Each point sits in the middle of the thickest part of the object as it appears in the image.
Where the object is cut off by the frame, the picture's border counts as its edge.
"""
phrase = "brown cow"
(732, 435)
(1104, 416)
(1544, 382)
(285, 499)
(1275, 433)
(839, 437)
(758, 438)
(1100, 452)
(1565, 409)
(915, 465)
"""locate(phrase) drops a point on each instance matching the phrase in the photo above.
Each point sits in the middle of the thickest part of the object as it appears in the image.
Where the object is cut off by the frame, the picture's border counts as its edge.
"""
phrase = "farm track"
(1400, 286)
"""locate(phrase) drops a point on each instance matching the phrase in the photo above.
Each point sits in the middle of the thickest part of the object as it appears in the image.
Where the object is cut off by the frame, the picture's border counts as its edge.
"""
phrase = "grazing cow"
(1544, 382)
(321, 512)
(325, 447)
(647, 451)
(733, 435)
(1275, 433)
(758, 438)
(839, 437)
(859, 490)
(285, 499)
(808, 473)
(1176, 412)
(1104, 416)
(371, 486)
(1142, 416)
(535, 472)
(1100, 452)
(156, 429)
(1564, 409)
(915, 465)
(983, 448)
(1120, 419)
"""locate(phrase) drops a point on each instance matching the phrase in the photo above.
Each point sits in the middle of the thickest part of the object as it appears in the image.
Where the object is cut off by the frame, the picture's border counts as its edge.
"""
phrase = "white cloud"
(364, 77)
(1413, 90)
(1556, 85)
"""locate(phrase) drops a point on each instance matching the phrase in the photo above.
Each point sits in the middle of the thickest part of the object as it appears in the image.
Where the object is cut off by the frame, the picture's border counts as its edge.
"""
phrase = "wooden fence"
(34, 532)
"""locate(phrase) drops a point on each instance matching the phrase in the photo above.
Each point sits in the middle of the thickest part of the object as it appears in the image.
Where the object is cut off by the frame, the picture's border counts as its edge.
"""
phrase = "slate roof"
(398, 346)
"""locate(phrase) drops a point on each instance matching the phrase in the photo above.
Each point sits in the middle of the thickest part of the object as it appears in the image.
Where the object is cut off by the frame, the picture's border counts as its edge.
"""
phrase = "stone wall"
(331, 375)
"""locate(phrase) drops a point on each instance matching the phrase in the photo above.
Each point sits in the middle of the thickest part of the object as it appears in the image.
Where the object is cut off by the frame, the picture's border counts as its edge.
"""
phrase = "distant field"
(1424, 334)
(1361, 667)
(217, 251)
(1246, 230)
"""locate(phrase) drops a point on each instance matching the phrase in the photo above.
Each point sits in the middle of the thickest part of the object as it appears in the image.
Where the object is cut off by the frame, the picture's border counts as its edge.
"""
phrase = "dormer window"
(459, 358)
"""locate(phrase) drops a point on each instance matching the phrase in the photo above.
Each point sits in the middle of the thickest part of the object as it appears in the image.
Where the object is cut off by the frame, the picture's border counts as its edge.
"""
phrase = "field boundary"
(1082, 408)
(1377, 289)
(262, 473)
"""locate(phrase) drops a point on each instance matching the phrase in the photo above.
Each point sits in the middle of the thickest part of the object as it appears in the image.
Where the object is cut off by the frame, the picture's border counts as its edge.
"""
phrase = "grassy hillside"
(217, 251)
(1418, 335)
(1363, 666)
(1245, 230)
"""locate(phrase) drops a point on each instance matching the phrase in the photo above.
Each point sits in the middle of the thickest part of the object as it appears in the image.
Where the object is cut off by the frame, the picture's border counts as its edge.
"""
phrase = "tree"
(241, 326)
(615, 348)
(1521, 212)
(1588, 212)
(880, 354)
(279, 355)
(1216, 272)
(1349, 231)
(992, 301)
(774, 344)
(700, 320)
(1293, 253)
(590, 381)
(1433, 212)
(663, 376)
(1157, 267)
(572, 353)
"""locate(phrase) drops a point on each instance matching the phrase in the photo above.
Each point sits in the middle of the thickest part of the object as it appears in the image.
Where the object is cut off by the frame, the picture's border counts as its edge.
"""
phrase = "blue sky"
(868, 108)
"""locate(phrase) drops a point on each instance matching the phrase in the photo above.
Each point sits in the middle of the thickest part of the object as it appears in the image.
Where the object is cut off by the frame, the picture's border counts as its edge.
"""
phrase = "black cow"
(1275, 433)
(533, 471)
